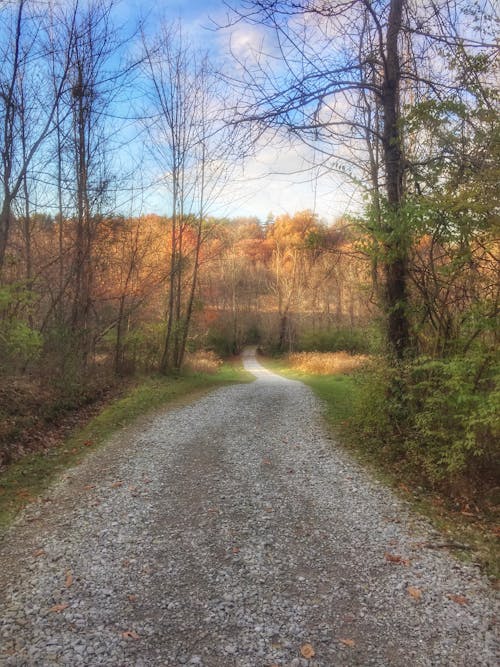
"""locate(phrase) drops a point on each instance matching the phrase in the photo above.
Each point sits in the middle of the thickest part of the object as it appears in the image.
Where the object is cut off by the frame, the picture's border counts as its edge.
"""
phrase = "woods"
(399, 98)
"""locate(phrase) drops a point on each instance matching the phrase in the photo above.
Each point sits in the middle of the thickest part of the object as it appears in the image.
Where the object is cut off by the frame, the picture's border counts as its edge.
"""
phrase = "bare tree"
(26, 120)
(192, 143)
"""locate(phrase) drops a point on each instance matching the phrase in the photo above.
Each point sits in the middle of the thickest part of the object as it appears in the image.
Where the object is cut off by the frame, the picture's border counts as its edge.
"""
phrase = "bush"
(203, 361)
(341, 339)
(221, 342)
(326, 363)
(19, 342)
(440, 417)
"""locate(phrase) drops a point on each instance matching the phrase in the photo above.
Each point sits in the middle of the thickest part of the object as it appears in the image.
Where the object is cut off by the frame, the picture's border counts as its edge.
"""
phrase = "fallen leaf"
(57, 608)
(404, 488)
(459, 599)
(307, 651)
(236, 550)
(131, 598)
(39, 552)
(69, 579)
(115, 485)
(130, 634)
(393, 558)
(88, 443)
(415, 593)
(347, 642)
(266, 462)
(89, 487)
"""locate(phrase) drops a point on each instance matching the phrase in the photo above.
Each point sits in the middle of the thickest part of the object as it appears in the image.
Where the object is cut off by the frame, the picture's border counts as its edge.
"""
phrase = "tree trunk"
(5, 220)
(396, 259)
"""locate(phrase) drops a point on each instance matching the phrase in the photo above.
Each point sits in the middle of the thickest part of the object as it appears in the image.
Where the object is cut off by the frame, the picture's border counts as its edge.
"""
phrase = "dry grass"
(326, 363)
(203, 362)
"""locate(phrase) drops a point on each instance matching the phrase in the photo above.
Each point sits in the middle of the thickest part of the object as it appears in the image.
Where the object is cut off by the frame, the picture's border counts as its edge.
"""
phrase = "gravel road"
(234, 533)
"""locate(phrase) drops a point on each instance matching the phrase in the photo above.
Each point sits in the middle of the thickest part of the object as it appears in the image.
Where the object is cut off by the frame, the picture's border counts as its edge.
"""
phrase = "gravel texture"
(231, 533)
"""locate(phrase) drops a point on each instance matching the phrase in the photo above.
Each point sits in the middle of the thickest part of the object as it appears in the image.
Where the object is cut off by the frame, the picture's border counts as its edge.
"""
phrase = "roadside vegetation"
(441, 453)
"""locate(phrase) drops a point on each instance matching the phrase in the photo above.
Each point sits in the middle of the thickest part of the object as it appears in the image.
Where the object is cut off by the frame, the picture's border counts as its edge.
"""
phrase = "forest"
(398, 98)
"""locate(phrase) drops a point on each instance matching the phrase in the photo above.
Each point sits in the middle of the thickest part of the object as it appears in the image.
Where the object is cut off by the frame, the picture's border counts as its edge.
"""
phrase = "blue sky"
(273, 180)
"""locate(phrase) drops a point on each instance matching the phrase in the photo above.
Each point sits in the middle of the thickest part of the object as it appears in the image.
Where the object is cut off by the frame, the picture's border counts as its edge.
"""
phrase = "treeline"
(278, 284)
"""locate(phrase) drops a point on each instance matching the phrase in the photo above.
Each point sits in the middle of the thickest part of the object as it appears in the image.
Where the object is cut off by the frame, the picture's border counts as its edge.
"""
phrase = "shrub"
(440, 417)
(19, 342)
(364, 340)
(203, 361)
(326, 363)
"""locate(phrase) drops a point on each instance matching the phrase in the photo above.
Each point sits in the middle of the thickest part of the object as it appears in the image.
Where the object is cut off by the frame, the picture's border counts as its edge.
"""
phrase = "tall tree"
(26, 120)
(192, 143)
(340, 77)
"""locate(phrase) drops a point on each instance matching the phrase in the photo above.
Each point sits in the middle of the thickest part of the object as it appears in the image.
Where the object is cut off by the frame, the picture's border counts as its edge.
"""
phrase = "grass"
(26, 480)
(326, 363)
(340, 394)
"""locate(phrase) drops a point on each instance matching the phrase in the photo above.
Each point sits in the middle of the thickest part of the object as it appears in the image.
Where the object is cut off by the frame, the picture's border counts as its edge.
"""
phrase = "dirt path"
(231, 533)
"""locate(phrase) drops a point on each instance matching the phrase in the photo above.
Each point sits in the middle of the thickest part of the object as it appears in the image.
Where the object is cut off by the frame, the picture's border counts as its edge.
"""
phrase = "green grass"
(24, 481)
(340, 394)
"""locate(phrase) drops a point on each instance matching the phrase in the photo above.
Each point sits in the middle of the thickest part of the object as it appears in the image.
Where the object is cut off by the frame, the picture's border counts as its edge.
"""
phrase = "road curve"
(233, 532)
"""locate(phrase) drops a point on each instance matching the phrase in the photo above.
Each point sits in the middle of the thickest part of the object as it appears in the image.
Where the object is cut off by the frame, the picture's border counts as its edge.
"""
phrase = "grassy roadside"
(25, 480)
(478, 532)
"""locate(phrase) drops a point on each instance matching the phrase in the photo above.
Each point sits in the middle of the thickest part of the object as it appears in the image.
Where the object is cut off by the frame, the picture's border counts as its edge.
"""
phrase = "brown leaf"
(116, 484)
(393, 558)
(307, 651)
(131, 598)
(236, 550)
(266, 462)
(57, 608)
(459, 599)
(69, 579)
(39, 552)
(347, 642)
(130, 634)
(88, 443)
(415, 593)
(89, 487)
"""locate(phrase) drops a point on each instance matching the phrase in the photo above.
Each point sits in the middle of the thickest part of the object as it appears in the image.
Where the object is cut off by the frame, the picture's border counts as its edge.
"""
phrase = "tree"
(339, 76)
(26, 120)
(192, 143)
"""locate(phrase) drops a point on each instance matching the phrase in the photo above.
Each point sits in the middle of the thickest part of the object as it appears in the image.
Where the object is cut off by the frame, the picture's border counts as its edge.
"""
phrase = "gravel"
(231, 533)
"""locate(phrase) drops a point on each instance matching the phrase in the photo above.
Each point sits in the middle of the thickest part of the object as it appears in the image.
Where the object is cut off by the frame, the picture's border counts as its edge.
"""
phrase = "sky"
(277, 178)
